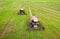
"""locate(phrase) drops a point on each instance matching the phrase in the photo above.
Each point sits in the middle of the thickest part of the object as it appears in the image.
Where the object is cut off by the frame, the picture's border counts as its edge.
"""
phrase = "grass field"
(13, 26)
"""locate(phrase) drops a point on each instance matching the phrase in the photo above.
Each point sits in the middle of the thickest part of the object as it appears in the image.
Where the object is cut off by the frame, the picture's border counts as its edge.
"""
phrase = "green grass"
(47, 12)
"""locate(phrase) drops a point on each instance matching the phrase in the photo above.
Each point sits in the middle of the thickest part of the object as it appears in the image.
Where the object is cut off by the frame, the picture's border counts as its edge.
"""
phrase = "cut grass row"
(49, 20)
(51, 30)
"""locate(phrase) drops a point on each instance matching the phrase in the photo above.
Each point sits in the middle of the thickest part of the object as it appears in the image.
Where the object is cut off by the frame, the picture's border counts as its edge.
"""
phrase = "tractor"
(35, 24)
(22, 12)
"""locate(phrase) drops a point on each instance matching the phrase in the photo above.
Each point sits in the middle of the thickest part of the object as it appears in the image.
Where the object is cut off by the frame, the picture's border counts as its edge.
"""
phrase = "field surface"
(13, 26)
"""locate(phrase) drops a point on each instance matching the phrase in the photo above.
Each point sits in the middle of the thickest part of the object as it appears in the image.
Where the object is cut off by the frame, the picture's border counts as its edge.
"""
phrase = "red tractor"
(35, 24)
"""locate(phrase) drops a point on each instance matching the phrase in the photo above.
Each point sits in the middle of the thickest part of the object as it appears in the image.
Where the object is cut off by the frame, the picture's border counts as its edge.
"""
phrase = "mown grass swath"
(47, 12)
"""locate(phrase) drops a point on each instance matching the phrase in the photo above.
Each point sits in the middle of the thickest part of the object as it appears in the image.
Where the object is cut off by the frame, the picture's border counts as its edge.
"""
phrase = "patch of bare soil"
(13, 28)
(1, 8)
(9, 28)
(6, 28)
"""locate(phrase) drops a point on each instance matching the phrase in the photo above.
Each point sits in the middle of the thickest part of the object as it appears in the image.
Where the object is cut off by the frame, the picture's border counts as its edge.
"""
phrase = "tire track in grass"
(12, 27)
(53, 30)
(52, 18)
(50, 15)
(55, 20)
(51, 23)
(5, 29)
(46, 8)
(54, 25)
(51, 12)
(7, 26)
(54, 7)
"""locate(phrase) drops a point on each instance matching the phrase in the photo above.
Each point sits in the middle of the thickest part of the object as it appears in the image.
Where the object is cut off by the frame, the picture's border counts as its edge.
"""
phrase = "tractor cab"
(22, 11)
